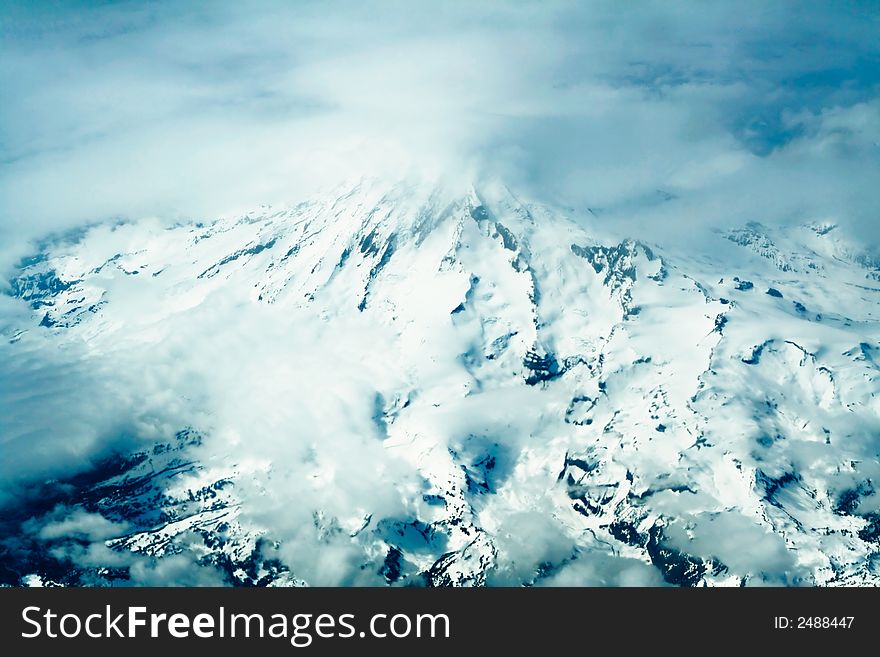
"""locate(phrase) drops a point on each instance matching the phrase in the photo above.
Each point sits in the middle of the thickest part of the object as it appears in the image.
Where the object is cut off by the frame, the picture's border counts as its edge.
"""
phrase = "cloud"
(80, 524)
(174, 570)
(123, 110)
(597, 569)
(286, 397)
(738, 542)
(657, 117)
(76, 538)
(64, 407)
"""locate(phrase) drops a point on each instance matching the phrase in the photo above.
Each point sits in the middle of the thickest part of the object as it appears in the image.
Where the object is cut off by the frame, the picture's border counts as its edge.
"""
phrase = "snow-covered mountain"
(439, 387)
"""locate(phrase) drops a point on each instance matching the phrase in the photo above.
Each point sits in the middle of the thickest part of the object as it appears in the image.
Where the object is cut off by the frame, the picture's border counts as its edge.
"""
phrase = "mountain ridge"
(536, 400)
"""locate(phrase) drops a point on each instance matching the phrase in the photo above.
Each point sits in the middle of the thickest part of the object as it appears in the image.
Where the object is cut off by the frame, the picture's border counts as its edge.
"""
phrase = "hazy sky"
(741, 110)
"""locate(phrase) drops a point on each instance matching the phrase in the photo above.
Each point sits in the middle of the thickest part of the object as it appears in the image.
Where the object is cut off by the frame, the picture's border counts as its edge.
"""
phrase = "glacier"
(413, 384)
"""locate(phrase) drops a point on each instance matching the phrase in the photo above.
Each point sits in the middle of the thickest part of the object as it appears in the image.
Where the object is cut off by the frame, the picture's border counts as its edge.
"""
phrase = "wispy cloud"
(126, 110)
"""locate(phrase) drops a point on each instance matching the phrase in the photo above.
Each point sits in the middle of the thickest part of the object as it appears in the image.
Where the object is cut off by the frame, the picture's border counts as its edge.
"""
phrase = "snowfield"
(415, 385)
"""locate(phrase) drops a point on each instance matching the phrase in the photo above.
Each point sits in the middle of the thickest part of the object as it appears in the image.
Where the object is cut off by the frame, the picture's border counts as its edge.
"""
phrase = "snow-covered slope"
(447, 388)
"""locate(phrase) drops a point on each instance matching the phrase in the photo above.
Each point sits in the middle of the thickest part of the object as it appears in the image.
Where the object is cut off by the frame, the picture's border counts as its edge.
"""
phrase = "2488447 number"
(824, 622)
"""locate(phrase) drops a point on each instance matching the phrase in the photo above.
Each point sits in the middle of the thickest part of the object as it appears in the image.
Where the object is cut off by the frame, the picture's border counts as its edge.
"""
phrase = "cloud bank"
(176, 111)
